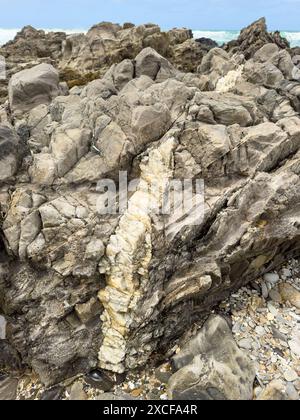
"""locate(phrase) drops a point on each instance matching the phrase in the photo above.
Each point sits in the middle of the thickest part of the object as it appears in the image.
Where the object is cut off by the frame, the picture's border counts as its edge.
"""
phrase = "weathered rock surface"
(8, 388)
(254, 37)
(10, 152)
(107, 43)
(212, 367)
(9, 358)
(81, 58)
(30, 88)
(82, 289)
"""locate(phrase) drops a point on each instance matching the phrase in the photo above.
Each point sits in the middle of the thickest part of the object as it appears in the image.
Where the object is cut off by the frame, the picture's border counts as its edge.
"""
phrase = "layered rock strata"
(81, 289)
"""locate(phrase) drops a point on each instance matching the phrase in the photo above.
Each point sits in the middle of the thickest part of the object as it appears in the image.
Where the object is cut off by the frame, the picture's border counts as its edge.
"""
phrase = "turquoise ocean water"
(222, 37)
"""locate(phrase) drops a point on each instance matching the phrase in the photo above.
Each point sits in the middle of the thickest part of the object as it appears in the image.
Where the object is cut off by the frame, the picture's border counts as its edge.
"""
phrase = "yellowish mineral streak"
(129, 253)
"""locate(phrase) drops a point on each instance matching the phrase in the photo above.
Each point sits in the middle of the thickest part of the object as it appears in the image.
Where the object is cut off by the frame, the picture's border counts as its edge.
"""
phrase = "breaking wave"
(221, 37)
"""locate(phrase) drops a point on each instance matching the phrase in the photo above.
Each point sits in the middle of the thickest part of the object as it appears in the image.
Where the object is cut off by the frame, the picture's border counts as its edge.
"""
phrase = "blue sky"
(195, 14)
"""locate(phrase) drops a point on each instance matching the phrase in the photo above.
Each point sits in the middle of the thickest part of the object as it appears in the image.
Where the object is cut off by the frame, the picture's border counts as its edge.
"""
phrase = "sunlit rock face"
(81, 288)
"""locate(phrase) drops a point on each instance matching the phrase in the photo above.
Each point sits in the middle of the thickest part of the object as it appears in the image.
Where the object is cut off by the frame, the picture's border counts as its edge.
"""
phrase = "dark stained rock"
(52, 394)
(9, 358)
(99, 380)
(206, 43)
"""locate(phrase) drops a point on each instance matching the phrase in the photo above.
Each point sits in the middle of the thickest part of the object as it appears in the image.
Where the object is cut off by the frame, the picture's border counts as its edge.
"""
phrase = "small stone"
(77, 392)
(257, 391)
(290, 294)
(236, 328)
(264, 290)
(256, 345)
(284, 330)
(136, 392)
(245, 343)
(275, 295)
(260, 330)
(272, 278)
(164, 373)
(274, 358)
(270, 317)
(286, 273)
(272, 309)
(290, 375)
(252, 324)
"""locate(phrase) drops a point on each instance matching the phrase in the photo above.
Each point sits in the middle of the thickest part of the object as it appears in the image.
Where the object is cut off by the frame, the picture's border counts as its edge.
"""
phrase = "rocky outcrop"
(31, 43)
(254, 37)
(83, 285)
(212, 367)
(82, 58)
(29, 48)
(107, 43)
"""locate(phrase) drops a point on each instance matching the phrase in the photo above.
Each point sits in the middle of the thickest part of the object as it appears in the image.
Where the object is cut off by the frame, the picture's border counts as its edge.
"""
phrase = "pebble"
(252, 324)
(264, 290)
(137, 392)
(278, 335)
(290, 375)
(236, 328)
(164, 373)
(260, 330)
(286, 273)
(77, 392)
(284, 330)
(272, 309)
(271, 329)
(274, 358)
(245, 343)
(272, 278)
(275, 295)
